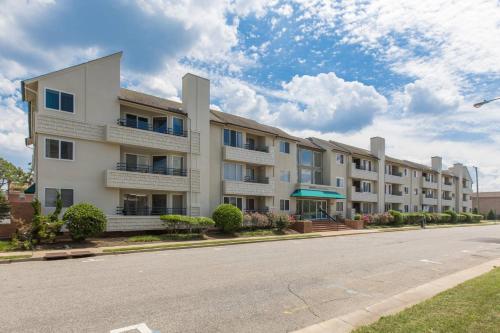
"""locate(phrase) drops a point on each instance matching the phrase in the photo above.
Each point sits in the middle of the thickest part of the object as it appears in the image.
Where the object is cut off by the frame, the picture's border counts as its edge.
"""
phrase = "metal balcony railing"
(145, 168)
(149, 127)
(397, 193)
(257, 180)
(264, 210)
(364, 168)
(149, 211)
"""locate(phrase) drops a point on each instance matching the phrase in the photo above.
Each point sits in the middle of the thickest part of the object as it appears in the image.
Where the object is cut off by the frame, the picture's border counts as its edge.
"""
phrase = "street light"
(478, 105)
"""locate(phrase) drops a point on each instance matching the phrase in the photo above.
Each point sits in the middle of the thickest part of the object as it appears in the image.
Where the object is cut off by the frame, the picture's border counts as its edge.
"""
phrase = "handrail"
(256, 180)
(145, 168)
(149, 211)
(330, 218)
(149, 127)
(263, 149)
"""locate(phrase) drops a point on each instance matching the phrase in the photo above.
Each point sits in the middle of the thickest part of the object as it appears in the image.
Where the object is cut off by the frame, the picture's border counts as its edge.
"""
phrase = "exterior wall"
(145, 181)
(487, 201)
(284, 161)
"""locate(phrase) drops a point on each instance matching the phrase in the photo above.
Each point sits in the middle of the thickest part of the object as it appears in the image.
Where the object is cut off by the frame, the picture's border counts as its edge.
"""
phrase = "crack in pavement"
(308, 307)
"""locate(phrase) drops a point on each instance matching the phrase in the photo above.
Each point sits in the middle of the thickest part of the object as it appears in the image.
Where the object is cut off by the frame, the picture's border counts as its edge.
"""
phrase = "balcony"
(426, 200)
(263, 187)
(394, 178)
(146, 137)
(357, 171)
(249, 154)
(427, 183)
(363, 196)
(447, 186)
(394, 197)
(145, 177)
(149, 211)
(467, 190)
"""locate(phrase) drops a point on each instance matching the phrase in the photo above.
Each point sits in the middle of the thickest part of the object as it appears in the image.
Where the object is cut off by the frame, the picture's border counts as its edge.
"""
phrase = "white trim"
(59, 91)
(343, 182)
(58, 189)
(284, 206)
(57, 159)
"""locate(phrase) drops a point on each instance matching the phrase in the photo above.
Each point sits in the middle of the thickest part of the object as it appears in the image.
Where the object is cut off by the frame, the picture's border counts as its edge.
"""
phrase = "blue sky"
(408, 71)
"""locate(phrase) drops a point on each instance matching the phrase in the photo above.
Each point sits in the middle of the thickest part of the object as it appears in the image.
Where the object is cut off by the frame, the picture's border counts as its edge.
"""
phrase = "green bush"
(45, 228)
(491, 215)
(357, 217)
(228, 217)
(84, 220)
(187, 222)
(453, 216)
(279, 220)
(472, 218)
(461, 218)
(398, 216)
(443, 217)
(413, 218)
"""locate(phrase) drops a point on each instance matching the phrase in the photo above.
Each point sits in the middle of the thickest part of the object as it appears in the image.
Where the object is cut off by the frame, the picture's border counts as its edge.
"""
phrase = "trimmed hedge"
(398, 216)
(413, 218)
(228, 217)
(84, 220)
(453, 216)
(187, 222)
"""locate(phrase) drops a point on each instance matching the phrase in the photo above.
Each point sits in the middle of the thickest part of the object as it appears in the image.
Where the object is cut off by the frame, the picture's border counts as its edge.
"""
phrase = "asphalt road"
(265, 287)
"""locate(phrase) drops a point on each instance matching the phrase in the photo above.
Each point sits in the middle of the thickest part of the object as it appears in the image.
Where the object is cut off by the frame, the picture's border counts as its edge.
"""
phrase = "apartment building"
(138, 156)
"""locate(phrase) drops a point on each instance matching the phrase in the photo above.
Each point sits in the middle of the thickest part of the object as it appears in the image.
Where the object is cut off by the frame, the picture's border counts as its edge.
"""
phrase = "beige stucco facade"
(137, 156)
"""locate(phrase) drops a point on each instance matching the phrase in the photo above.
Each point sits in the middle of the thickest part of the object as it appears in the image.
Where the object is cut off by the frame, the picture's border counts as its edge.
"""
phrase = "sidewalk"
(170, 245)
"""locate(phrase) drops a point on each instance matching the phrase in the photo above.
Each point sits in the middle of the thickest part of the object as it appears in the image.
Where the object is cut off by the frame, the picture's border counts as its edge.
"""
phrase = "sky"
(408, 71)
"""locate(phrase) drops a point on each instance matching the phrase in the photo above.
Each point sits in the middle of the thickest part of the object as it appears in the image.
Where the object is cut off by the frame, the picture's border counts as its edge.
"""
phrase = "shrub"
(367, 219)
(228, 217)
(256, 220)
(491, 215)
(4, 207)
(472, 218)
(84, 220)
(413, 218)
(461, 218)
(279, 220)
(357, 217)
(187, 222)
(384, 218)
(45, 228)
(453, 216)
(398, 216)
(443, 217)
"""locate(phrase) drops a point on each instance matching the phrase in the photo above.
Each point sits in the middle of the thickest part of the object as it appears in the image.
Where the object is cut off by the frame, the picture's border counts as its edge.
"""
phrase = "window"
(51, 197)
(235, 201)
(134, 121)
(339, 182)
(285, 176)
(416, 191)
(305, 157)
(310, 167)
(305, 176)
(160, 124)
(58, 149)
(233, 171)
(407, 190)
(284, 147)
(407, 209)
(415, 173)
(233, 138)
(340, 158)
(415, 208)
(60, 101)
(388, 207)
(405, 171)
(177, 126)
(284, 205)
(366, 187)
(339, 206)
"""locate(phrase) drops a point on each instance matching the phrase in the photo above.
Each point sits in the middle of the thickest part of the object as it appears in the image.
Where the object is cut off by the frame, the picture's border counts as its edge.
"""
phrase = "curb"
(394, 304)
(260, 240)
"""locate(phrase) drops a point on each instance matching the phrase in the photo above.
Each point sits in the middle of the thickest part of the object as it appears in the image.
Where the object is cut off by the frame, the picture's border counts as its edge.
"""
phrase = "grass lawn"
(473, 306)
(6, 246)
(165, 237)
(261, 232)
(20, 256)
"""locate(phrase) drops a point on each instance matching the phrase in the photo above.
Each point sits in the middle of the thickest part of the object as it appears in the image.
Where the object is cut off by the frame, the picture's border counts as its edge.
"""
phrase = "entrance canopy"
(304, 193)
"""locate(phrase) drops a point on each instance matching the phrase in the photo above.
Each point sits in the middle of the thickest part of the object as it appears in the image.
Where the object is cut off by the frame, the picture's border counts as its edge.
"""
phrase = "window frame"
(288, 173)
(236, 138)
(236, 165)
(340, 158)
(342, 182)
(59, 148)
(286, 146)
(337, 206)
(283, 205)
(59, 94)
(236, 199)
(59, 190)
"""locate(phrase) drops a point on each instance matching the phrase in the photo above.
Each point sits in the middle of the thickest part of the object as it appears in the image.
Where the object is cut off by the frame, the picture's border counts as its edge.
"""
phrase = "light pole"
(486, 101)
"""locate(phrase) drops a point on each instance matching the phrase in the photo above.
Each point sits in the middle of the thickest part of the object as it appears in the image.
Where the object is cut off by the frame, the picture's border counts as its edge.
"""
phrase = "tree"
(4, 207)
(9, 174)
(491, 215)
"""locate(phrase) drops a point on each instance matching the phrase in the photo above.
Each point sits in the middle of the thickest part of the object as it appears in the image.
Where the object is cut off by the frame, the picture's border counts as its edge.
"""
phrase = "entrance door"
(160, 124)
(159, 204)
(312, 209)
(160, 164)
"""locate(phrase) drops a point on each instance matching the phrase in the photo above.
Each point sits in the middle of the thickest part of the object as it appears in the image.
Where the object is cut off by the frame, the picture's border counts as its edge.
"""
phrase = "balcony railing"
(364, 168)
(398, 193)
(149, 127)
(263, 149)
(264, 210)
(144, 168)
(429, 196)
(396, 173)
(149, 211)
(257, 180)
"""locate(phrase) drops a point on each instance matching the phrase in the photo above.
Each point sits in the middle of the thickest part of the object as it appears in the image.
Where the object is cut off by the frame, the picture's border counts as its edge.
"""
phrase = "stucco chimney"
(437, 163)
(377, 146)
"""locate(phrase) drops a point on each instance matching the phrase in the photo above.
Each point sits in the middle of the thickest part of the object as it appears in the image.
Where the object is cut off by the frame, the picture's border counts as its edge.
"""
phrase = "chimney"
(377, 146)
(437, 163)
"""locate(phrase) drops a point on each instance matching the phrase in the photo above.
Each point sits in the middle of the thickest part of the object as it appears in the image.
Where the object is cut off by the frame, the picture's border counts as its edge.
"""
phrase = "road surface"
(263, 287)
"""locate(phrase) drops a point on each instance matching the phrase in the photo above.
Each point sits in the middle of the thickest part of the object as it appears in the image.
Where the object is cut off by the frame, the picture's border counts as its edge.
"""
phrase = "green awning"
(303, 193)
(31, 189)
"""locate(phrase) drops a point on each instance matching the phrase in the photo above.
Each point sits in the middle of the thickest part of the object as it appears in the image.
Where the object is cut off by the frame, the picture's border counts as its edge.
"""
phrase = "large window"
(284, 147)
(233, 171)
(178, 126)
(60, 101)
(51, 197)
(233, 138)
(310, 170)
(366, 187)
(135, 121)
(235, 201)
(58, 149)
